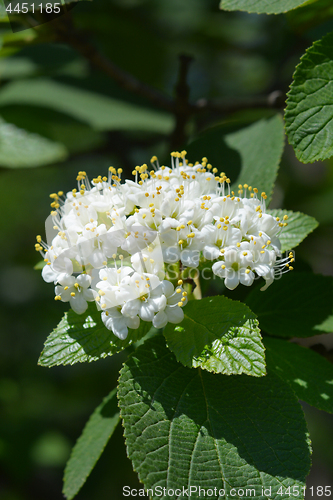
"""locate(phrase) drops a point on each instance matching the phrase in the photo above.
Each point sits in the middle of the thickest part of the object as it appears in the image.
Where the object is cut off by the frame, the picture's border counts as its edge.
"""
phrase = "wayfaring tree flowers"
(128, 246)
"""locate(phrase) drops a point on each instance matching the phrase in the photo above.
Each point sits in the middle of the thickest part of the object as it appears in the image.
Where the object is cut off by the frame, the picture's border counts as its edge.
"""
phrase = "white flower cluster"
(115, 243)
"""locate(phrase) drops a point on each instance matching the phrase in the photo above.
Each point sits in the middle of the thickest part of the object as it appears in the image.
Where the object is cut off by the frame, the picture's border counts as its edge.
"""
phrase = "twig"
(65, 32)
(183, 109)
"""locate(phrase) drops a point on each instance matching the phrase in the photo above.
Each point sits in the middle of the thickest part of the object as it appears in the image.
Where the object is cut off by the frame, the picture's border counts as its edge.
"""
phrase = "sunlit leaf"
(219, 335)
(309, 111)
(84, 337)
(262, 6)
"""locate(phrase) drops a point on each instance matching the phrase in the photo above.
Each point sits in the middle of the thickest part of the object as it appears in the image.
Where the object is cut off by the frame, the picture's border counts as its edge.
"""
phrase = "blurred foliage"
(52, 94)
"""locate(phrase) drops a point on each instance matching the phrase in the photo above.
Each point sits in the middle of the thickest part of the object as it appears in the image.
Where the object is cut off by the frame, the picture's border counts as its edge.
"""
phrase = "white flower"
(172, 312)
(235, 269)
(119, 324)
(114, 290)
(76, 291)
(129, 236)
(219, 236)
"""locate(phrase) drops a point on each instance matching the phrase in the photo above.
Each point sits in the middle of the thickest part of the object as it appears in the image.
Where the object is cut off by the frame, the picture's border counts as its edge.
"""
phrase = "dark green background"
(235, 56)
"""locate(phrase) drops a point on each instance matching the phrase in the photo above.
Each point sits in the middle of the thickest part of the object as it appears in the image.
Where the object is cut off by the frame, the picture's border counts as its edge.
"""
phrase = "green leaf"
(3, 13)
(76, 136)
(293, 305)
(260, 147)
(80, 338)
(309, 111)
(240, 351)
(309, 374)
(39, 265)
(91, 444)
(219, 335)
(248, 155)
(20, 149)
(262, 6)
(189, 428)
(310, 15)
(99, 111)
(326, 325)
(299, 226)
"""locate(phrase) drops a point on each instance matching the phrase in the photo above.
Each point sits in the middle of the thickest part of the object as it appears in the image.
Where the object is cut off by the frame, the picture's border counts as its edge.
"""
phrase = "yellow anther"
(180, 282)
(73, 294)
(66, 288)
(57, 297)
(223, 266)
